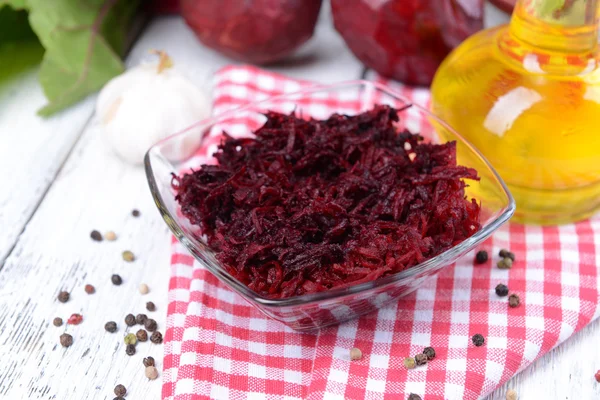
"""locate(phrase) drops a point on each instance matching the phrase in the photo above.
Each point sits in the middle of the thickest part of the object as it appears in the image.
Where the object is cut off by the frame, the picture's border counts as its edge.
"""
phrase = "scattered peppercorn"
(130, 320)
(119, 398)
(57, 321)
(503, 253)
(75, 319)
(511, 255)
(150, 306)
(355, 354)
(95, 235)
(116, 279)
(409, 363)
(511, 395)
(128, 256)
(478, 339)
(135, 212)
(141, 319)
(501, 290)
(148, 361)
(120, 390)
(130, 338)
(505, 263)
(110, 235)
(421, 359)
(156, 337)
(66, 340)
(151, 373)
(429, 352)
(481, 257)
(90, 289)
(150, 325)
(144, 289)
(141, 335)
(413, 396)
(597, 376)
(514, 301)
(130, 349)
(110, 326)
(63, 296)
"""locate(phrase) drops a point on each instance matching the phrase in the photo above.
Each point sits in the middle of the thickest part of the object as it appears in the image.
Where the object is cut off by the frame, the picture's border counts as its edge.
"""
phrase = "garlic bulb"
(146, 104)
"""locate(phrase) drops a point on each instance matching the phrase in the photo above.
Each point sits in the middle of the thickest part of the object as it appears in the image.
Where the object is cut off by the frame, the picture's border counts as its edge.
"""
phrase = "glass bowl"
(195, 145)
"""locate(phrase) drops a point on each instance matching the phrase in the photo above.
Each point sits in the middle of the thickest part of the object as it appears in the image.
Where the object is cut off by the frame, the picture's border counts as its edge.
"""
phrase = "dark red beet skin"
(307, 206)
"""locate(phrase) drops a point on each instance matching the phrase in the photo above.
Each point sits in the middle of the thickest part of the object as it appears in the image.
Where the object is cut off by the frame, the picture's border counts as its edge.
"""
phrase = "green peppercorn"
(505, 263)
(409, 363)
(128, 256)
(130, 338)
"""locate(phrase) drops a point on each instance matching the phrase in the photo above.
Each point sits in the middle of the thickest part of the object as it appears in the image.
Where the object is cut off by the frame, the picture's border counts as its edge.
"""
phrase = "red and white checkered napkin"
(218, 346)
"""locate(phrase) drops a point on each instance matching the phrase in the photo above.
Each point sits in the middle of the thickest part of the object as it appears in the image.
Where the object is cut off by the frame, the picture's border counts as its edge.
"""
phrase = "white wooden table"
(59, 181)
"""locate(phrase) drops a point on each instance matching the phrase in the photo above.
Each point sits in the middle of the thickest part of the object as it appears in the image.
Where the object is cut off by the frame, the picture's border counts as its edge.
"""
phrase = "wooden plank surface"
(95, 190)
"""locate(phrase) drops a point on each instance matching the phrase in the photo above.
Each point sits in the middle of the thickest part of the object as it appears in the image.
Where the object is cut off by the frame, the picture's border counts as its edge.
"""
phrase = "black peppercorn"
(150, 306)
(110, 326)
(135, 213)
(421, 359)
(130, 349)
(119, 398)
(116, 279)
(481, 257)
(96, 236)
(478, 339)
(66, 340)
(413, 396)
(429, 352)
(156, 337)
(63, 296)
(150, 325)
(503, 253)
(120, 390)
(57, 321)
(514, 301)
(130, 320)
(501, 290)
(141, 319)
(141, 335)
(148, 361)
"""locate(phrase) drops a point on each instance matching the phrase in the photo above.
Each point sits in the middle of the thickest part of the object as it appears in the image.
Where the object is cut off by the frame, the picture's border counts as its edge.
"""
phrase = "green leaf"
(20, 49)
(78, 60)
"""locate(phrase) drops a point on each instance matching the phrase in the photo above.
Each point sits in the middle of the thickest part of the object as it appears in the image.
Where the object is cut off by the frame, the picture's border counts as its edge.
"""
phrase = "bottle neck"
(567, 26)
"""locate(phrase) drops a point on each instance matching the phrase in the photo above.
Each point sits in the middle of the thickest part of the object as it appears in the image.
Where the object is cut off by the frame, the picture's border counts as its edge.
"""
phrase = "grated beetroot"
(311, 205)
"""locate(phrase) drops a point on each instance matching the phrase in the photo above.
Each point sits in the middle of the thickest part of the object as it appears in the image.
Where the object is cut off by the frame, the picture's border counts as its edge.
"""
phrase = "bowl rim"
(249, 294)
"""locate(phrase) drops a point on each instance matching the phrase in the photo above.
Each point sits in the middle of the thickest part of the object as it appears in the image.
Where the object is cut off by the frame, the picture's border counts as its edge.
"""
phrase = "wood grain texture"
(32, 149)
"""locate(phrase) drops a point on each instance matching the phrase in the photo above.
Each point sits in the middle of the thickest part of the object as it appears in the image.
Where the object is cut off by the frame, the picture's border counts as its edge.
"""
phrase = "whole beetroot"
(255, 31)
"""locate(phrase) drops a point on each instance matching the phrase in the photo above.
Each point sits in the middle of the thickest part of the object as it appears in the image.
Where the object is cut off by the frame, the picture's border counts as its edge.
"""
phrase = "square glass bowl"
(195, 145)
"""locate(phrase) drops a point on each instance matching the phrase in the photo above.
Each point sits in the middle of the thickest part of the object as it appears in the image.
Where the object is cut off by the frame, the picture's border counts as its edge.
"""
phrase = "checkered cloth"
(218, 346)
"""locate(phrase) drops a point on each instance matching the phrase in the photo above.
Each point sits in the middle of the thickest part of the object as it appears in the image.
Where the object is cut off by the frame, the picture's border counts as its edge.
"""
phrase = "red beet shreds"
(311, 205)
